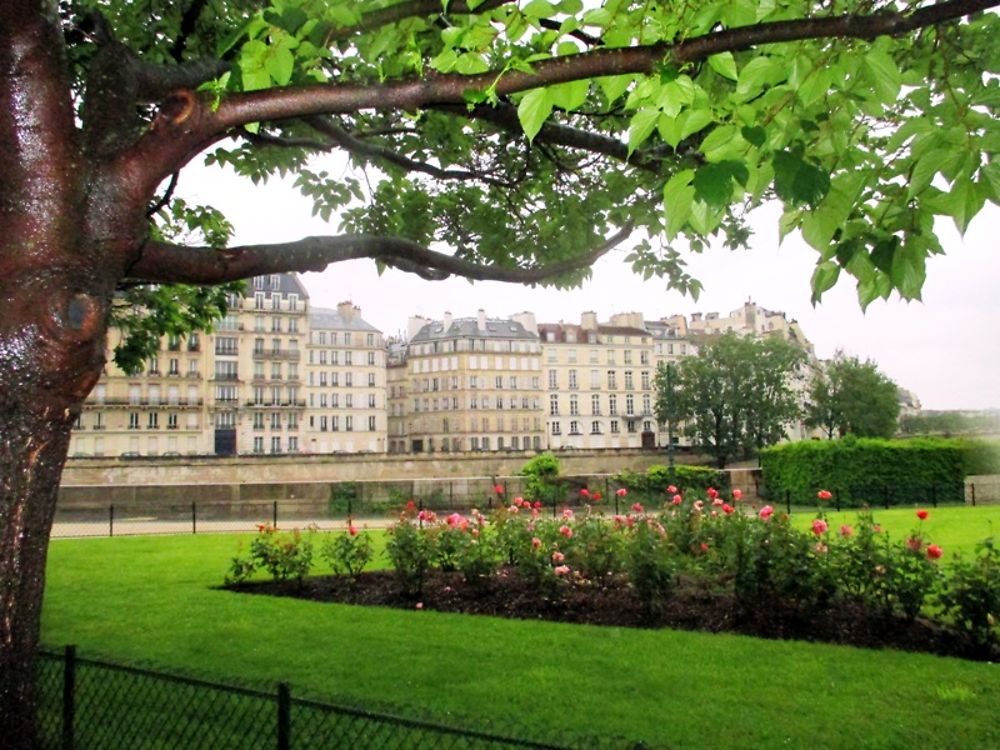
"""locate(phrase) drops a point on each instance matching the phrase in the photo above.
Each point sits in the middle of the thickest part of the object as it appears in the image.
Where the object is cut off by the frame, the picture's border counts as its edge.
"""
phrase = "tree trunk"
(33, 445)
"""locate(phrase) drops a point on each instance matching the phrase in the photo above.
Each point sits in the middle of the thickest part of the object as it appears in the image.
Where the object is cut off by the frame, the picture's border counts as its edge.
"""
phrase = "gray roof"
(327, 319)
(287, 283)
(469, 328)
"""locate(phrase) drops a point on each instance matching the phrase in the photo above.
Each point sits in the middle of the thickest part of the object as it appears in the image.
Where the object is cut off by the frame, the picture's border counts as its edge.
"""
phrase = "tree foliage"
(847, 396)
(737, 395)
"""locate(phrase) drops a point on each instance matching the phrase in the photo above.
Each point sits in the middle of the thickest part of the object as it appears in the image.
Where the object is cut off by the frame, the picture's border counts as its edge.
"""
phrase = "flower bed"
(710, 563)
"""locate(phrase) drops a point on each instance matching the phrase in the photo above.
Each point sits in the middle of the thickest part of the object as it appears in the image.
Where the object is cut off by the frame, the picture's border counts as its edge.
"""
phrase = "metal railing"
(86, 703)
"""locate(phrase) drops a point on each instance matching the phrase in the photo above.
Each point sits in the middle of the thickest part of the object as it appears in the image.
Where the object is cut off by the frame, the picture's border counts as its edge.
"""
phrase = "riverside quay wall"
(311, 479)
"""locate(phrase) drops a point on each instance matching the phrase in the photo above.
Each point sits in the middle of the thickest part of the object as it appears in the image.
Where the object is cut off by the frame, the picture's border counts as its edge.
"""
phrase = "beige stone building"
(471, 384)
(599, 381)
(346, 389)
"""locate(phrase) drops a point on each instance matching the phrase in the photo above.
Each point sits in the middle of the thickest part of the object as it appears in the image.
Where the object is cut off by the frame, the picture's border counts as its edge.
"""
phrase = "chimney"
(347, 310)
(482, 320)
(527, 319)
(588, 321)
(414, 325)
(447, 321)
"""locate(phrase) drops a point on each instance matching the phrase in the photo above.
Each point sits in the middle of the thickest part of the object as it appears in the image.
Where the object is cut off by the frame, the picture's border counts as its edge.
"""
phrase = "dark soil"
(614, 603)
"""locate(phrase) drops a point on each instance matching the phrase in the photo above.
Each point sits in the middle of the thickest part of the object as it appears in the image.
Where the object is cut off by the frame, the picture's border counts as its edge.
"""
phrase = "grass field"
(151, 601)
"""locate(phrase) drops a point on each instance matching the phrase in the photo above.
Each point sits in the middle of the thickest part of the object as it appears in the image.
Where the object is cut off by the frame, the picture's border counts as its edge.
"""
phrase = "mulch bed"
(613, 603)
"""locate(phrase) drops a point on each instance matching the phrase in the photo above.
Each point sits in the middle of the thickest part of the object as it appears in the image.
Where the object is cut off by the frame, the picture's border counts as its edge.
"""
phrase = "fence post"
(420, 515)
(836, 497)
(194, 518)
(69, 698)
(972, 486)
(111, 519)
(451, 495)
(788, 501)
(274, 514)
(885, 494)
(284, 716)
(934, 495)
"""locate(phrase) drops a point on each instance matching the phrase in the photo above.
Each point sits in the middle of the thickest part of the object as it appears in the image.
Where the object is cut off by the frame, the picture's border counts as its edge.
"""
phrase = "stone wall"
(983, 489)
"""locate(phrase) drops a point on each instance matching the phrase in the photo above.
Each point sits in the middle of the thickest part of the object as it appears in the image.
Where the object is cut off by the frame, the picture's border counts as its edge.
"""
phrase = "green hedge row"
(687, 479)
(876, 471)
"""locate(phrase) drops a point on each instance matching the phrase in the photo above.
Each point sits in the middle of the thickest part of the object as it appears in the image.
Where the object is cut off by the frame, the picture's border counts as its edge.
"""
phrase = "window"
(258, 445)
(371, 380)
(154, 366)
(258, 282)
(258, 300)
(612, 404)
(293, 302)
(574, 406)
(556, 428)
(193, 344)
(628, 356)
(574, 428)
(595, 427)
(647, 426)
(553, 380)
(133, 420)
(647, 404)
(645, 380)
(348, 424)
(275, 324)
(628, 380)
(293, 421)
(595, 404)
(276, 445)
(554, 405)
(498, 382)
(644, 357)
(293, 325)
(371, 401)
(322, 423)
(371, 424)
(513, 382)
(258, 420)
(275, 421)
(175, 366)
(172, 421)
(612, 384)
(349, 401)
(293, 444)
(572, 380)
(614, 426)
(629, 404)
(631, 425)
(370, 339)
(335, 423)
(153, 421)
(348, 379)
(347, 339)
(371, 359)
(595, 379)
(226, 345)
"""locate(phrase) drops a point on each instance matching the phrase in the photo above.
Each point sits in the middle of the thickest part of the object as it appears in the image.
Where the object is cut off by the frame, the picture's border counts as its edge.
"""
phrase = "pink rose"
(566, 531)
(922, 514)
(584, 492)
(419, 605)
(934, 551)
(677, 500)
(737, 494)
(699, 505)
(514, 509)
(717, 502)
(536, 542)
(568, 513)
(846, 531)
(671, 490)
(351, 530)
(621, 492)
(561, 570)
(712, 493)
(765, 512)
(637, 507)
(819, 526)
(824, 494)
(498, 488)
(727, 508)
(914, 544)
(537, 504)
(558, 557)
(518, 501)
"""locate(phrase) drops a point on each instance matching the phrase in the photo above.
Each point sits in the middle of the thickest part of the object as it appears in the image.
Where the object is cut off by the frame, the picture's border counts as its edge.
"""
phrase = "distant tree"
(736, 395)
(949, 423)
(847, 396)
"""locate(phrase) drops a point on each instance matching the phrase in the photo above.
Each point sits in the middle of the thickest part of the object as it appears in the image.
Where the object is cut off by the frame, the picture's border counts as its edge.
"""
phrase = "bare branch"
(162, 262)
(165, 198)
(362, 148)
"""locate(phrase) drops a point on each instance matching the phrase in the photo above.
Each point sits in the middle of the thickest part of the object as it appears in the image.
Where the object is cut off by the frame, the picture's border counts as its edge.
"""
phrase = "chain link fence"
(95, 705)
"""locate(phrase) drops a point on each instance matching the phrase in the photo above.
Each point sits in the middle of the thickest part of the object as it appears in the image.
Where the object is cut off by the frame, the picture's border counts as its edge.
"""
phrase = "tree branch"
(172, 141)
(408, 9)
(188, 21)
(162, 262)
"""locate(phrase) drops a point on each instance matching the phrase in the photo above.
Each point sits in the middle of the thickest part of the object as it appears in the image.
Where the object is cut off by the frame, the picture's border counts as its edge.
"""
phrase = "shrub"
(970, 595)
(651, 561)
(348, 552)
(411, 550)
(542, 479)
(284, 556)
(690, 480)
(916, 470)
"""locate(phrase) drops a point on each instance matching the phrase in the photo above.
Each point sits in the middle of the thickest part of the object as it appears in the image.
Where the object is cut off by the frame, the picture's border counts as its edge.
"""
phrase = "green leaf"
(908, 270)
(755, 135)
(279, 64)
(883, 74)
(713, 183)
(797, 182)
(641, 126)
(724, 64)
(614, 86)
(540, 9)
(724, 142)
(967, 200)
(756, 74)
(678, 195)
(989, 180)
(571, 95)
(823, 278)
(532, 111)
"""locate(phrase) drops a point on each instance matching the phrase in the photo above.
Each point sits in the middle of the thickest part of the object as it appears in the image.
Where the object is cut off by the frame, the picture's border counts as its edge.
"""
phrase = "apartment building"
(347, 410)
(599, 379)
(396, 376)
(471, 384)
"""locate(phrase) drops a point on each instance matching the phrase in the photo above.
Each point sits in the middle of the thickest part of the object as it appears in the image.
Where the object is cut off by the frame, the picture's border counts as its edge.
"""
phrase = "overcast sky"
(946, 349)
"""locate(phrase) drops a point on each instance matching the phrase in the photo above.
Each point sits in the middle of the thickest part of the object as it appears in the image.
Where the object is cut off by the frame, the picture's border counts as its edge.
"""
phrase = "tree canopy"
(736, 396)
(847, 396)
(525, 139)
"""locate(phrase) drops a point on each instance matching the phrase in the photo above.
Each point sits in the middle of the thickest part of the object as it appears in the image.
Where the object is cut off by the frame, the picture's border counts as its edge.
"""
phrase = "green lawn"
(150, 601)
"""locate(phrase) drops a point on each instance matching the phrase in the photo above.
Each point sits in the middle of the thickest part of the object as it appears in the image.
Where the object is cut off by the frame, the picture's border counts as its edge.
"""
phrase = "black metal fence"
(92, 705)
(871, 495)
(328, 505)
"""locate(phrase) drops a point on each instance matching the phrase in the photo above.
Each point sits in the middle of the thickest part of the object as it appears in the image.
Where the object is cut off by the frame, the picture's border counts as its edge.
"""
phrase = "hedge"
(876, 471)
(688, 480)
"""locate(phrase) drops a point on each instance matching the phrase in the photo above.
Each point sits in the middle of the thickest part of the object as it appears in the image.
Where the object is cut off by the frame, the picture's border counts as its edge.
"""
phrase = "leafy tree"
(737, 395)
(526, 138)
(847, 396)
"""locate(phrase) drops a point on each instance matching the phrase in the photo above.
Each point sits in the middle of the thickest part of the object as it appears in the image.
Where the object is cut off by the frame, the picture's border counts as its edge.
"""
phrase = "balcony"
(296, 404)
(227, 377)
(293, 355)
